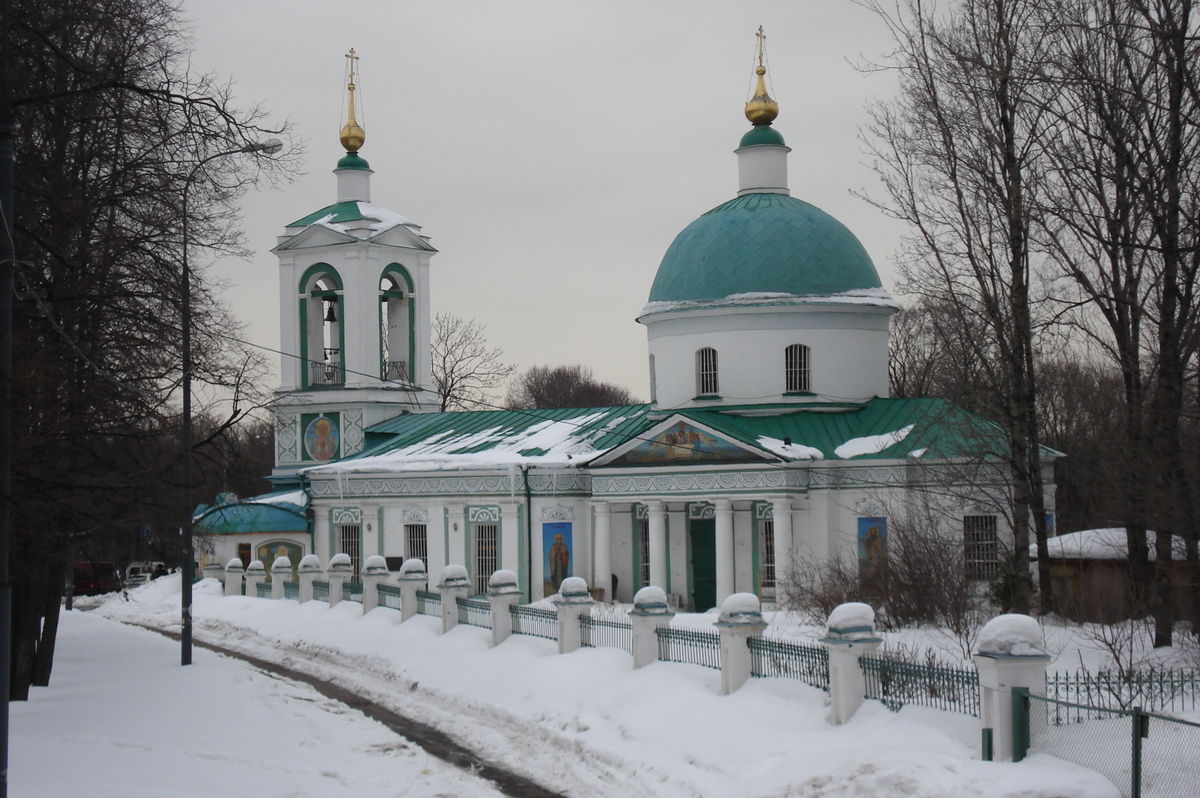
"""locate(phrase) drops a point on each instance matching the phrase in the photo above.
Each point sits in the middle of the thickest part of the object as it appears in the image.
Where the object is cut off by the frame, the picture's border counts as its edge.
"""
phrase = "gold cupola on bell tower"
(352, 135)
(761, 109)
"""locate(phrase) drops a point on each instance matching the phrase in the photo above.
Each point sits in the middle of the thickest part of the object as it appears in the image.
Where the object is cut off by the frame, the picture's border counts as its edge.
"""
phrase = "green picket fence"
(1156, 689)
(389, 596)
(809, 664)
(691, 646)
(896, 683)
(474, 612)
(536, 621)
(1146, 755)
(602, 633)
(429, 603)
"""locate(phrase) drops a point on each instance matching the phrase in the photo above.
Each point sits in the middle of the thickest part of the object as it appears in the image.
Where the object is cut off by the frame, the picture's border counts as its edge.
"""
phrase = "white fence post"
(412, 578)
(308, 570)
(281, 571)
(454, 583)
(256, 574)
(740, 619)
(503, 592)
(1011, 652)
(849, 634)
(650, 611)
(214, 571)
(234, 571)
(573, 601)
(374, 571)
(340, 570)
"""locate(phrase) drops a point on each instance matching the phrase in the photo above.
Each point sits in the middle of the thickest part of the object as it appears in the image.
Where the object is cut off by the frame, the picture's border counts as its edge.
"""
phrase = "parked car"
(94, 578)
(139, 573)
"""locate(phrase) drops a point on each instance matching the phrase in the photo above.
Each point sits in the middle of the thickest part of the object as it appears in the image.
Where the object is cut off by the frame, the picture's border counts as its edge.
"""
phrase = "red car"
(94, 578)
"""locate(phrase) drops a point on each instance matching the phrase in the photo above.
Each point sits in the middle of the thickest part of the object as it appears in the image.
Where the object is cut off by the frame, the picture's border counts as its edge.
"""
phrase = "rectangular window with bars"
(486, 563)
(644, 552)
(796, 368)
(981, 547)
(350, 542)
(766, 557)
(416, 543)
(706, 372)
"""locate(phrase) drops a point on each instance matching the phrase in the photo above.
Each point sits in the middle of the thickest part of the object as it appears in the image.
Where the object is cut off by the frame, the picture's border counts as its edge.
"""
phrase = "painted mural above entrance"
(681, 443)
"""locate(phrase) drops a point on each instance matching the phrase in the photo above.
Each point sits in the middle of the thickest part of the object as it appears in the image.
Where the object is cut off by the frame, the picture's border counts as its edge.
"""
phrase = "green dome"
(352, 160)
(763, 243)
(762, 134)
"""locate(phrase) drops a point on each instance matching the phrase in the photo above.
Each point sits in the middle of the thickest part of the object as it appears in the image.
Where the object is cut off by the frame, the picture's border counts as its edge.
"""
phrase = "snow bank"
(1109, 543)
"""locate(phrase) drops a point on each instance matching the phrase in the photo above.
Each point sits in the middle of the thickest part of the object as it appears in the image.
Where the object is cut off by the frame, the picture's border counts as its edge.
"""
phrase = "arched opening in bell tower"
(321, 315)
(396, 319)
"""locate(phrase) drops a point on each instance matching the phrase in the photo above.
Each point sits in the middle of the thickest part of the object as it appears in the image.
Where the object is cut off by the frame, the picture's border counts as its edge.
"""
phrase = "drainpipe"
(528, 534)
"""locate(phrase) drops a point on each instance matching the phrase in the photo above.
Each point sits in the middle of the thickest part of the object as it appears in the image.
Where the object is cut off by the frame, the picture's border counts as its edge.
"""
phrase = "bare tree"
(465, 368)
(959, 152)
(564, 386)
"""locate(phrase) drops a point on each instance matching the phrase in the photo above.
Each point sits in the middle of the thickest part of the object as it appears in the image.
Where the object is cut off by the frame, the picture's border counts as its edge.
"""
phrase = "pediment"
(681, 441)
(315, 236)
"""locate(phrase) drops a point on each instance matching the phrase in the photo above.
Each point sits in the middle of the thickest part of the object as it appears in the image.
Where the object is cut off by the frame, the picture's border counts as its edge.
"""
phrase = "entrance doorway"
(702, 539)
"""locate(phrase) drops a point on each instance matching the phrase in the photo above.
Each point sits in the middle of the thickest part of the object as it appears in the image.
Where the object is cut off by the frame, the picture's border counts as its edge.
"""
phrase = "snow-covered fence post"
(213, 571)
(503, 593)
(281, 571)
(412, 578)
(256, 574)
(740, 619)
(340, 570)
(1011, 652)
(374, 571)
(849, 634)
(234, 570)
(650, 611)
(573, 600)
(308, 570)
(454, 583)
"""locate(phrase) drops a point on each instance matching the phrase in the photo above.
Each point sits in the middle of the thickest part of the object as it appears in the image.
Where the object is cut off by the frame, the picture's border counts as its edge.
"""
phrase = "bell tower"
(354, 316)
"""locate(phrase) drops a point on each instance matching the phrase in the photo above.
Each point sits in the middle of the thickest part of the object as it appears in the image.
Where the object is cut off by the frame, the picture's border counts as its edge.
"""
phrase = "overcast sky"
(551, 149)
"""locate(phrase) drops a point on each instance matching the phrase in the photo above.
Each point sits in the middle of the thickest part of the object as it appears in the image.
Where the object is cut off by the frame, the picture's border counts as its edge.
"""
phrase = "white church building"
(769, 439)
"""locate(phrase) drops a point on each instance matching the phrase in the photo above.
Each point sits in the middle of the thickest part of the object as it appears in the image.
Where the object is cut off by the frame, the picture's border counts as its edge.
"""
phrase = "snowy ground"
(122, 718)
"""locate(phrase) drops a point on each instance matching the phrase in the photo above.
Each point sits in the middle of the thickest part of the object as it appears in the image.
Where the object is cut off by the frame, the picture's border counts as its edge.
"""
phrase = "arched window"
(706, 372)
(395, 324)
(796, 369)
(321, 314)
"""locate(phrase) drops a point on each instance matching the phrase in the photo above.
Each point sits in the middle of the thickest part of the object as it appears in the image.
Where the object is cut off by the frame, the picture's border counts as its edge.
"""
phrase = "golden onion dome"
(761, 110)
(352, 135)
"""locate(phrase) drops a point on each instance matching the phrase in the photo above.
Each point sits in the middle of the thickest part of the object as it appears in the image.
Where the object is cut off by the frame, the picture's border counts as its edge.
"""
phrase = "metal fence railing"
(896, 683)
(474, 612)
(320, 590)
(263, 590)
(352, 591)
(1154, 689)
(1144, 754)
(429, 603)
(809, 664)
(691, 646)
(291, 590)
(389, 596)
(536, 621)
(600, 633)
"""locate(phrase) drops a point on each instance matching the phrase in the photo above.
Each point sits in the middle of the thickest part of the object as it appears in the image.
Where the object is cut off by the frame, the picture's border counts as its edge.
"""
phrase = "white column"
(657, 514)
(724, 541)
(602, 577)
(781, 511)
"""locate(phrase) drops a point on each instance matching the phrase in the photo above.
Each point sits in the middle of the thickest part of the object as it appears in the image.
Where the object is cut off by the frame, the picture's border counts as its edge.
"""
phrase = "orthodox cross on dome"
(761, 110)
(352, 135)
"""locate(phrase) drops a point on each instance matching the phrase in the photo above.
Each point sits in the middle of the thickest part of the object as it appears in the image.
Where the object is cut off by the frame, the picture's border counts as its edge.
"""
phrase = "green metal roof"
(349, 211)
(761, 134)
(258, 514)
(763, 243)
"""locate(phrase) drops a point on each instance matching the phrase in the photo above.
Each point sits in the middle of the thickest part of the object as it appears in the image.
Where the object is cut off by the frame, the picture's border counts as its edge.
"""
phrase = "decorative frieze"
(558, 513)
(286, 437)
(345, 515)
(704, 482)
(413, 515)
(352, 430)
(701, 511)
(483, 515)
(429, 485)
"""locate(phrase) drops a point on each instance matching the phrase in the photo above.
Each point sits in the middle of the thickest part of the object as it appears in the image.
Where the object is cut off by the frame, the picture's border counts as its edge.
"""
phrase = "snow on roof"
(1100, 544)
(565, 442)
(386, 219)
(296, 497)
(796, 451)
(872, 444)
(860, 296)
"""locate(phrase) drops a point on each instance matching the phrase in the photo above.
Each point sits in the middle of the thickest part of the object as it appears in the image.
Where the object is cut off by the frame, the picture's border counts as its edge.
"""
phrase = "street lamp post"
(269, 147)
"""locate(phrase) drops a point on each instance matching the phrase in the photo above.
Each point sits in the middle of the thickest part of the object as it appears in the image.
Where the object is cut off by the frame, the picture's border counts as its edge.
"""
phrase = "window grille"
(766, 555)
(980, 547)
(350, 542)
(416, 543)
(485, 555)
(796, 368)
(644, 560)
(706, 372)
